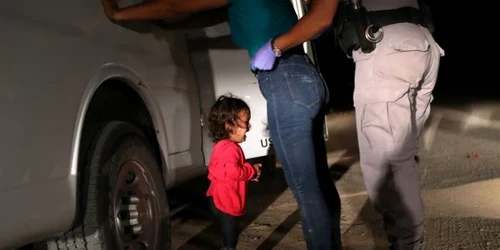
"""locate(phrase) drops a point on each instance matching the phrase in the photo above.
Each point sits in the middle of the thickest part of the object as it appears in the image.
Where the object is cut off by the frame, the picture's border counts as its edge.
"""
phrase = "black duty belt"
(400, 15)
(355, 28)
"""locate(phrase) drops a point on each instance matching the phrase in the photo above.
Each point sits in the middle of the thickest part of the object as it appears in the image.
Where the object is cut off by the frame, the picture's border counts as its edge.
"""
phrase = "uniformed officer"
(394, 80)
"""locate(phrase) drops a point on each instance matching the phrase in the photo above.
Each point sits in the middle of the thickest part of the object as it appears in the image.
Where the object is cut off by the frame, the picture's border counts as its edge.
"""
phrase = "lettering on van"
(266, 142)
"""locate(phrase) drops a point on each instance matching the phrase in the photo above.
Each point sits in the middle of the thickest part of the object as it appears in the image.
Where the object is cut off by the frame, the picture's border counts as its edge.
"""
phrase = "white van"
(98, 119)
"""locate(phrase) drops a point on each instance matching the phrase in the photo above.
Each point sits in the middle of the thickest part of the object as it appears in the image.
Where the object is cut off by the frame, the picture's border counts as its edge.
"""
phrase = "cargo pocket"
(407, 37)
(405, 61)
(376, 126)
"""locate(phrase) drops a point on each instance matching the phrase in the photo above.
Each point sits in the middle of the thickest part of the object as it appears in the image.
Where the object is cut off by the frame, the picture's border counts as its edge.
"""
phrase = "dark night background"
(463, 76)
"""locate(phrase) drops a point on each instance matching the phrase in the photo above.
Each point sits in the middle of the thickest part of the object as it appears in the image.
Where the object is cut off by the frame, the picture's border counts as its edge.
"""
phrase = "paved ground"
(461, 194)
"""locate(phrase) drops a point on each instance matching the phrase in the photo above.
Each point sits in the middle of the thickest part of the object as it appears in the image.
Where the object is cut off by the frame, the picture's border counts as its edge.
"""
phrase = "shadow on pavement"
(261, 195)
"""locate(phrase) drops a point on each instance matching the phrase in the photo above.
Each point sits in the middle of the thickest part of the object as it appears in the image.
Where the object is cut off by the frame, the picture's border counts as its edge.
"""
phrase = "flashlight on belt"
(368, 34)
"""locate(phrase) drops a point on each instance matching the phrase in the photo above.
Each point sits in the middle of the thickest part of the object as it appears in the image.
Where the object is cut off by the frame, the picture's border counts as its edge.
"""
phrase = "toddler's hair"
(224, 111)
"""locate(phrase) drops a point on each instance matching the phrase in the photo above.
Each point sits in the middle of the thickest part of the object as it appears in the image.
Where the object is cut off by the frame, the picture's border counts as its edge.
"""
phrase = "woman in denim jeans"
(294, 90)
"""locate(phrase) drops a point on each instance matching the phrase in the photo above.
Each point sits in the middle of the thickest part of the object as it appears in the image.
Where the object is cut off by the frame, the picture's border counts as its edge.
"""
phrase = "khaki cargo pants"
(392, 96)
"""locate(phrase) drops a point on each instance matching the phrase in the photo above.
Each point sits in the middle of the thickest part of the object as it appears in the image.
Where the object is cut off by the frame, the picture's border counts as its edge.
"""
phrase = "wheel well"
(114, 100)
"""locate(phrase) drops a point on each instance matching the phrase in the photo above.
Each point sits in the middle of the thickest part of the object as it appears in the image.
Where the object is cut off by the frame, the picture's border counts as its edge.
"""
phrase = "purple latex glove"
(264, 58)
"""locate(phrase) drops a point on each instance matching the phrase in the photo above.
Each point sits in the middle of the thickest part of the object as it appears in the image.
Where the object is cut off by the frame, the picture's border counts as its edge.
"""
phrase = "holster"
(344, 28)
(349, 25)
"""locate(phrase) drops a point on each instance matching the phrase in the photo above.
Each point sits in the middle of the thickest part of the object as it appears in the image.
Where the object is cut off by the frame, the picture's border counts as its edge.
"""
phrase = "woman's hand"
(264, 59)
(110, 8)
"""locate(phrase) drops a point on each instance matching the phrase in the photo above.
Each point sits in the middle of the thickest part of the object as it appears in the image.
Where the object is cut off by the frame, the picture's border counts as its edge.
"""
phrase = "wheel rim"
(135, 214)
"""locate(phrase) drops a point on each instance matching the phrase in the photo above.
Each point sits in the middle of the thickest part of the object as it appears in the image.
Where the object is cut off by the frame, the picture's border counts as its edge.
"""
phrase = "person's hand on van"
(110, 8)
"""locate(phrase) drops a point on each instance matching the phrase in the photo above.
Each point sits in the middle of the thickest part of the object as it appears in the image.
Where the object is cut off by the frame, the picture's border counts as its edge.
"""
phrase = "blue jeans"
(295, 95)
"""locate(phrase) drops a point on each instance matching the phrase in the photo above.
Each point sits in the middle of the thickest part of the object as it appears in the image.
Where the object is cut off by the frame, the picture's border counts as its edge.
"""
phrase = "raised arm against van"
(200, 20)
(159, 9)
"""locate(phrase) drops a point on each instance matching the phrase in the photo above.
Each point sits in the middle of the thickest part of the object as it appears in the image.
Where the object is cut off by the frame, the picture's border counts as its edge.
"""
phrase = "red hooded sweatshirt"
(229, 175)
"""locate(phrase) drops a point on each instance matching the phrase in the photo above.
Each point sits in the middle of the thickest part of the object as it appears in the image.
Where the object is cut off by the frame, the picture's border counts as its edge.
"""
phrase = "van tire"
(124, 199)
